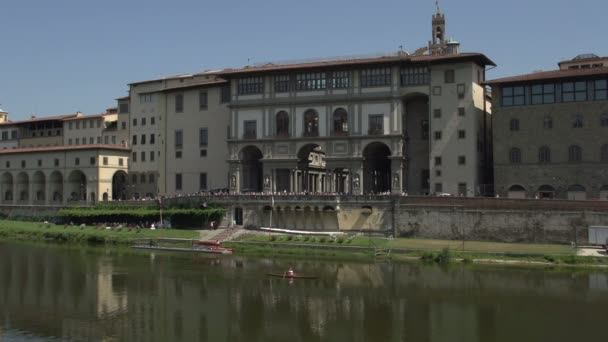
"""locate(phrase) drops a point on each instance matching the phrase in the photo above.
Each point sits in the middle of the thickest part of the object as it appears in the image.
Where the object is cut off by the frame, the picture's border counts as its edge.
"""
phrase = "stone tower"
(437, 46)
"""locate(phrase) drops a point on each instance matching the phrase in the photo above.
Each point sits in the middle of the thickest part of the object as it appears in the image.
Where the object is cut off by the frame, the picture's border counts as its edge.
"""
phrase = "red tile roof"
(551, 75)
(47, 118)
(85, 117)
(64, 148)
(476, 57)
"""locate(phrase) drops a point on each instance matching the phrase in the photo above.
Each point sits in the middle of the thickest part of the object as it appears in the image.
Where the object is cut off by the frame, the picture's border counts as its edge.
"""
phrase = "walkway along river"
(50, 293)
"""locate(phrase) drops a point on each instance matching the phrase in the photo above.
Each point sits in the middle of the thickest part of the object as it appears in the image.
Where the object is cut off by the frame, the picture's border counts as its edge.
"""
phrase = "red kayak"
(286, 276)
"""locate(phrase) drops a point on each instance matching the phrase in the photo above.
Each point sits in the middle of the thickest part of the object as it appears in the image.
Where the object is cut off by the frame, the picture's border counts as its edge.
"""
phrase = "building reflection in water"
(93, 295)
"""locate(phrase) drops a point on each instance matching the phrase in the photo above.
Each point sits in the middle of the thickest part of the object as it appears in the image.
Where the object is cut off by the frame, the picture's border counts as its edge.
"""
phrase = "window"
(544, 154)
(203, 153)
(142, 179)
(437, 113)
(123, 125)
(376, 124)
(203, 181)
(340, 79)
(146, 98)
(92, 161)
(225, 93)
(601, 89)
(56, 162)
(202, 100)
(424, 129)
(91, 140)
(460, 90)
(151, 178)
(105, 160)
(152, 120)
(179, 138)
(70, 141)
(281, 83)
(340, 122)
(449, 76)
(123, 108)
(514, 125)
(548, 122)
(77, 161)
(5, 135)
(376, 77)
(203, 137)
(179, 103)
(77, 124)
(577, 121)
(437, 91)
(311, 123)
(23, 163)
(91, 124)
(311, 81)
(134, 140)
(151, 155)
(77, 141)
(251, 85)
(143, 121)
(120, 162)
(462, 189)
(462, 160)
(282, 123)
(134, 179)
(604, 120)
(437, 135)
(414, 76)
(438, 173)
(39, 162)
(437, 161)
(178, 181)
(250, 127)
(106, 139)
(143, 156)
(574, 91)
(143, 139)
(461, 111)
(70, 125)
(543, 93)
(515, 155)
(575, 154)
(99, 140)
(134, 156)
(152, 138)
(513, 96)
(134, 122)
(604, 153)
(113, 140)
(438, 187)
(14, 134)
(8, 164)
(462, 134)
(178, 154)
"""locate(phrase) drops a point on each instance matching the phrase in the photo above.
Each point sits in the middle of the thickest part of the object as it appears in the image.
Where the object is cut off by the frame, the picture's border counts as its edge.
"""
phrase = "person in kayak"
(290, 272)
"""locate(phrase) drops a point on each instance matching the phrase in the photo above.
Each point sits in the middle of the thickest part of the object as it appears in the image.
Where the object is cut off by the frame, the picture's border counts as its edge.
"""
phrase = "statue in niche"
(267, 181)
(356, 182)
(396, 181)
(233, 182)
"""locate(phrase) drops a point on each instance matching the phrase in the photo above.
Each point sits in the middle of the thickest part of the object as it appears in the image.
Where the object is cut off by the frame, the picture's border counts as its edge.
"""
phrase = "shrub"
(340, 239)
(428, 257)
(444, 257)
(272, 238)
(289, 238)
(549, 258)
(322, 239)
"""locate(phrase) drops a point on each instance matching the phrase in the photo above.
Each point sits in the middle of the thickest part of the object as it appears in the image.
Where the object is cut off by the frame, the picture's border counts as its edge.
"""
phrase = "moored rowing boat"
(286, 276)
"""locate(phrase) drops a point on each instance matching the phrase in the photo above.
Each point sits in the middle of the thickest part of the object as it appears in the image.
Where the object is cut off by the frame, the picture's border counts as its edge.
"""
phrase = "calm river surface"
(56, 293)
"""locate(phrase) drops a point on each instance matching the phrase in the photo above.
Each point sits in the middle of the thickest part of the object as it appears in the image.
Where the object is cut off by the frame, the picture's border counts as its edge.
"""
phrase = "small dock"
(180, 245)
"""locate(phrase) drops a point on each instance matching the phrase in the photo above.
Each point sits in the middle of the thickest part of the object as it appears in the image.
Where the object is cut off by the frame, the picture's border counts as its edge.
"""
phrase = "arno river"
(56, 293)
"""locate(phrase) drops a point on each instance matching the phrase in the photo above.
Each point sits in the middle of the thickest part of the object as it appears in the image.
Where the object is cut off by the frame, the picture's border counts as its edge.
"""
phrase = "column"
(47, 192)
(15, 196)
(30, 191)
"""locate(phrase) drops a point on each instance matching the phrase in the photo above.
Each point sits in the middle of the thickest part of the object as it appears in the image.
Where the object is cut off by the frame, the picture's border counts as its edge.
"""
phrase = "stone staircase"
(222, 234)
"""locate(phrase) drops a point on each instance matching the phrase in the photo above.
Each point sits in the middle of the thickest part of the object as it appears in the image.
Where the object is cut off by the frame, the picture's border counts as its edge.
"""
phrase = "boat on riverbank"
(182, 245)
(293, 276)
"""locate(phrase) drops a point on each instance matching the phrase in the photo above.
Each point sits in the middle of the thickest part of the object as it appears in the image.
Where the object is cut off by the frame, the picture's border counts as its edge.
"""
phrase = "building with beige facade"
(550, 132)
(397, 123)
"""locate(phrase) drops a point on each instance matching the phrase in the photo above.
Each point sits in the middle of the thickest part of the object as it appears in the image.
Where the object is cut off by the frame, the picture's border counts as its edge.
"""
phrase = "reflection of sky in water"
(22, 336)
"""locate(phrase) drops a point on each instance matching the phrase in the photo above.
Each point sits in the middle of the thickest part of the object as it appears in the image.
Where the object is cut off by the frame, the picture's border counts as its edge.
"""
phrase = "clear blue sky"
(61, 56)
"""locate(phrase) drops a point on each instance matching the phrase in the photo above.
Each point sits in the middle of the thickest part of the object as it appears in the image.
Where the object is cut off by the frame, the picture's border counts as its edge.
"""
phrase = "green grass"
(33, 231)
(427, 244)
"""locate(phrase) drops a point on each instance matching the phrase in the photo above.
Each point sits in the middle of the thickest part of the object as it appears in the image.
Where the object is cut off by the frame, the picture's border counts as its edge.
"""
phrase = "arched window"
(514, 125)
(151, 178)
(577, 121)
(604, 120)
(282, 122)
(142, 179)
(548, 122)
(604, 153)
(311, 123)
(544, 154)
(515, 155)
(340, 122)
(575, 153)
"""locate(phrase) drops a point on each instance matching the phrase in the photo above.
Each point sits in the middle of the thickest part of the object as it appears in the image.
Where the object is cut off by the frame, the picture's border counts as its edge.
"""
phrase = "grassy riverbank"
(33, 231)
(401, 249)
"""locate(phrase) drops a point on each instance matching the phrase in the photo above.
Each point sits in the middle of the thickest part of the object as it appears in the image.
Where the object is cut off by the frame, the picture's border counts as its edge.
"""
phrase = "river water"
(56, 293)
